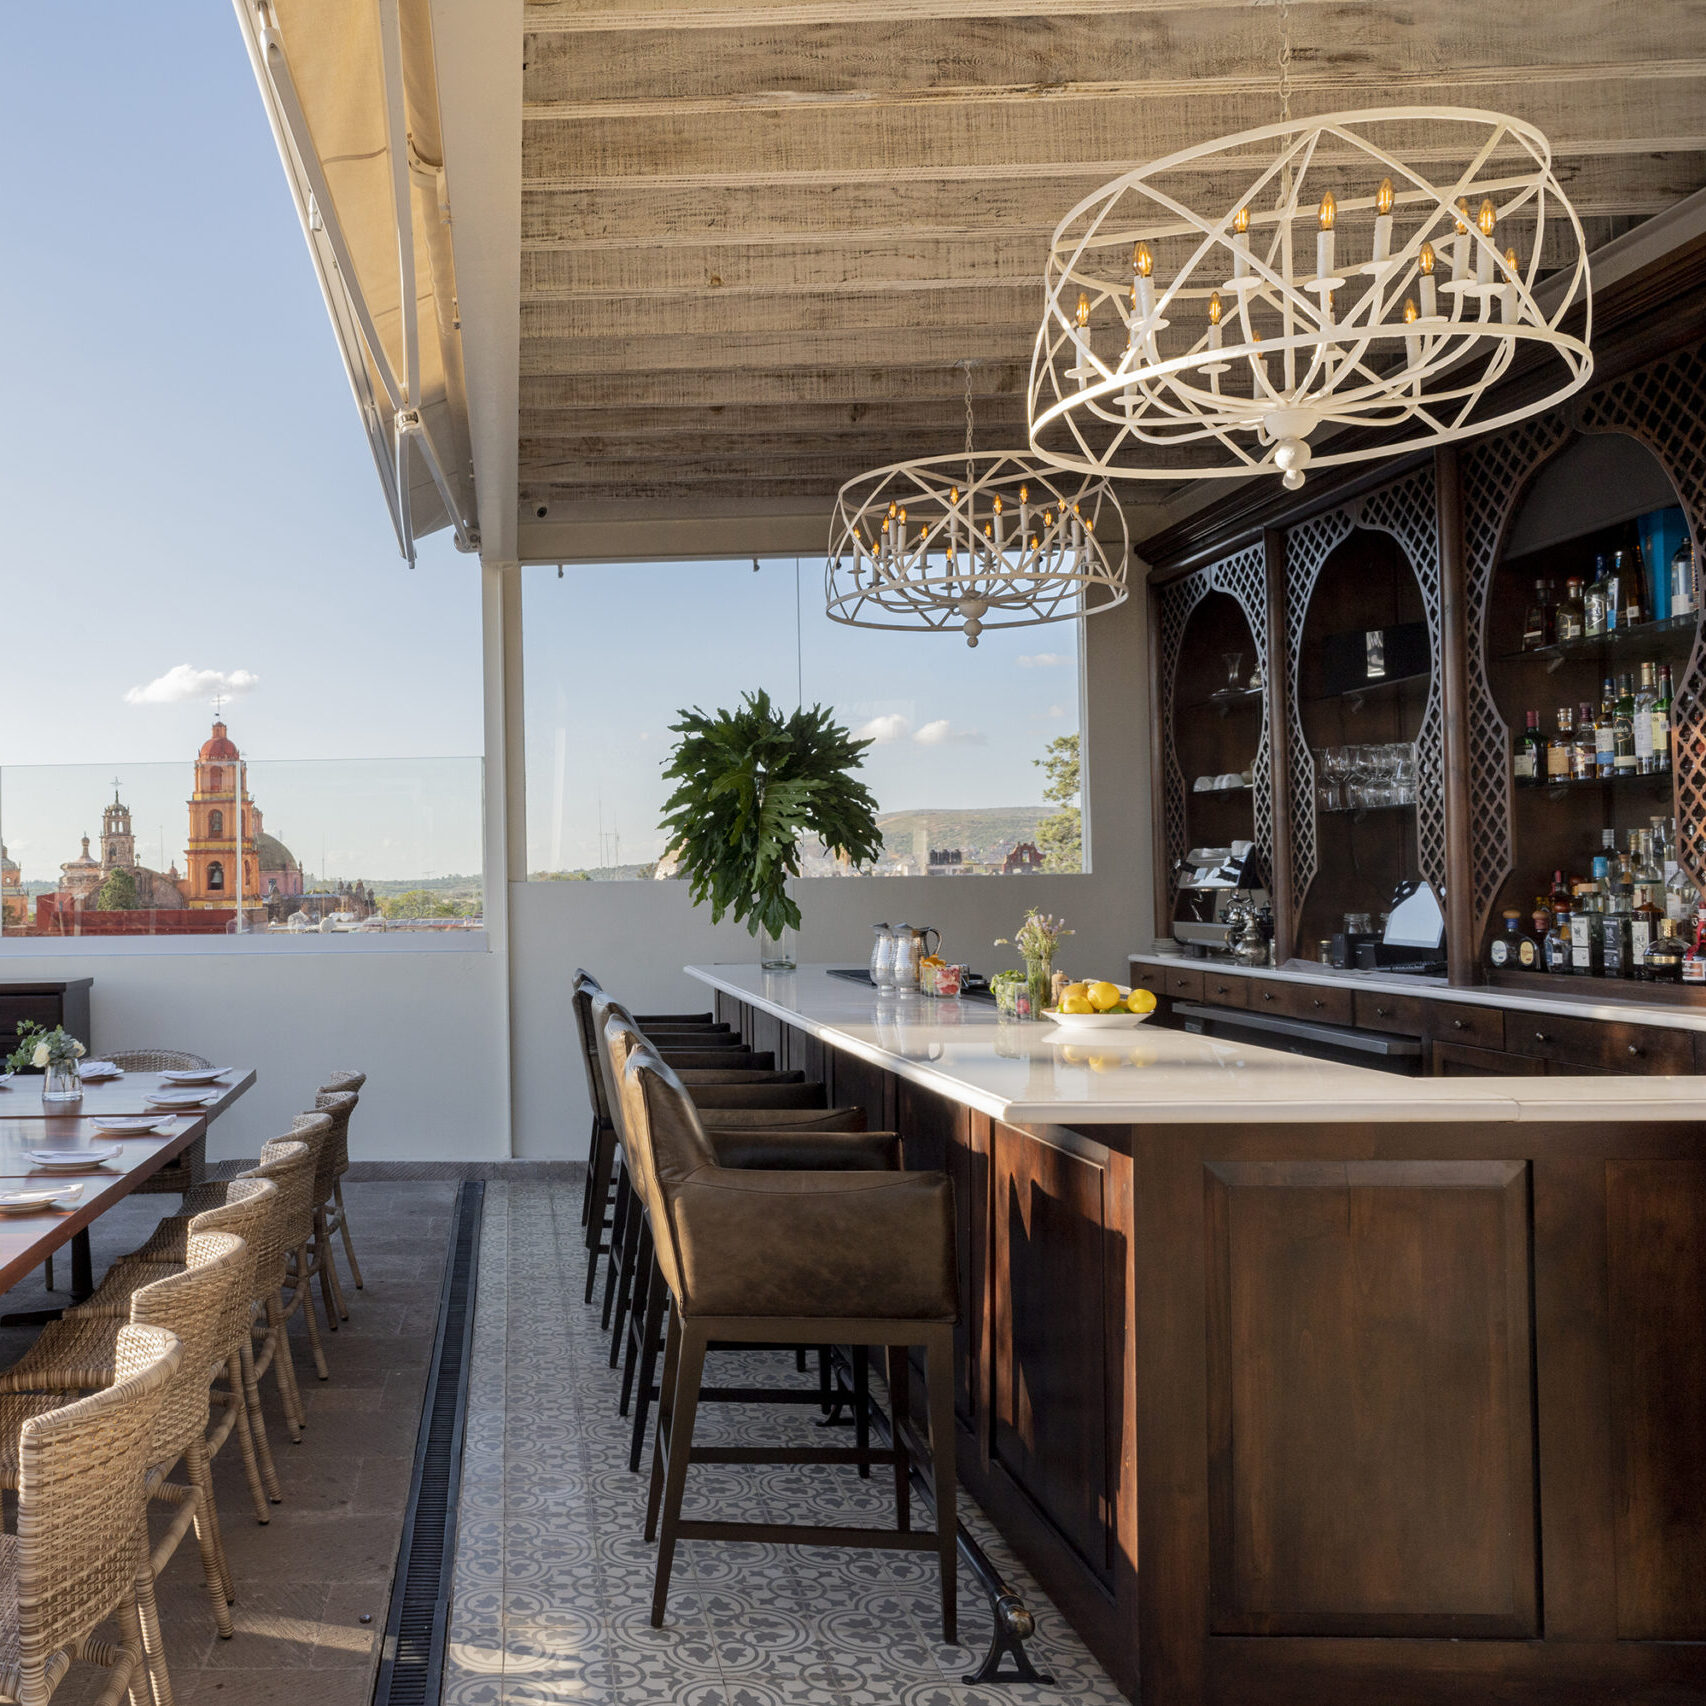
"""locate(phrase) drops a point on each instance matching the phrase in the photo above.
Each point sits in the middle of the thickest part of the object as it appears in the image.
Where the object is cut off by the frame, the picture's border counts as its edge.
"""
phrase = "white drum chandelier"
(987, 539)
(1335, 302)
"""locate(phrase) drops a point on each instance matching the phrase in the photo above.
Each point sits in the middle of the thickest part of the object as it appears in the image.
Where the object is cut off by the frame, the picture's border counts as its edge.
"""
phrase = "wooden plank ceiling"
(761, 242)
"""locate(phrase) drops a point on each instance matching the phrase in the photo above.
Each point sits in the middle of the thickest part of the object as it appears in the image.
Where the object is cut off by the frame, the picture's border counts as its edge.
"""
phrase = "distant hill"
(981, 835)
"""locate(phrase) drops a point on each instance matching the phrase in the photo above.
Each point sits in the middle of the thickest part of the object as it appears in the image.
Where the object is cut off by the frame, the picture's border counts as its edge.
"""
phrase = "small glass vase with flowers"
(1038, 939)
(54, 1053)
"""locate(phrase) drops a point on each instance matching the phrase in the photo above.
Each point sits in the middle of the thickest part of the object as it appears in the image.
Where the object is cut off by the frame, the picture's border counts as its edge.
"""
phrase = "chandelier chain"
(1285, 61)
(968, 410)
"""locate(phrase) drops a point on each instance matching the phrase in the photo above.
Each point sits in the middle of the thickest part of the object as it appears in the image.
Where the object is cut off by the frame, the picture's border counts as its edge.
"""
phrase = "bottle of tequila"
(1605, 732)
(1646, 697)
(1567, 624)
(1593, 601)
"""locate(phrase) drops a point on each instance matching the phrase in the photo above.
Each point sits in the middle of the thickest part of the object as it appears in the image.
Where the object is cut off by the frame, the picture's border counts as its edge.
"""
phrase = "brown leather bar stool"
(818, 1140)
(772, 1257)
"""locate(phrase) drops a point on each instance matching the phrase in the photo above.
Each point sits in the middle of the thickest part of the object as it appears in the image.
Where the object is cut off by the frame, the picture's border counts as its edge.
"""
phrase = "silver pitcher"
(882, 956)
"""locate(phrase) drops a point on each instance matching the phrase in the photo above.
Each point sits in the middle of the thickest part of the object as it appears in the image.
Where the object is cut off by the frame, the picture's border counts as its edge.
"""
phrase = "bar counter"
(1299, 1382)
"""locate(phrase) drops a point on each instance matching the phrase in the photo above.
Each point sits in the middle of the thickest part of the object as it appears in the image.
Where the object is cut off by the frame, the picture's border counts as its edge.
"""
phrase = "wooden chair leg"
(620, 1228)
(600, 1160)
(900, 1410)
(862, 1405)
(648, 1367)
(666, 1397)
(939, 1389)
(690, 1367)
(636, 1240)
(647, 1281)
(586, 1189)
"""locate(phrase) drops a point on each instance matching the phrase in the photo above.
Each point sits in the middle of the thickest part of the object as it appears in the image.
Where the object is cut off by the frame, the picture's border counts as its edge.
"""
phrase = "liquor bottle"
(1537, 621)
(1630, 609)
(1694, 963)
(1585, 753)
(1680, 896)
(1623, 727)
(1514, 949)
(1684, 580)
(1664, 955)
(1661, 720)
(1562, 744)
(1558, 943)
(1567, 624)
(1614, 925)
(1645, 699)
(1560, 895)
(1593, 602)
(1528, 757)
(1541, 920)
(1605, 732)
(1614, 594)
(1649, 875)
(1584, 934)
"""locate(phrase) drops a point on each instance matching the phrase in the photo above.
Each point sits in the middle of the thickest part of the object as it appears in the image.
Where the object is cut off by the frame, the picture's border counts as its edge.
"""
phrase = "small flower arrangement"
(40, 1049)
(1038, 939)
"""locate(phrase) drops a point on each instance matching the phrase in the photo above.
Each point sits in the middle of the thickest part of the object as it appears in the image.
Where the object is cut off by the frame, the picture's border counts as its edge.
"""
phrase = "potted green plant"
(750, 784)
(55, 1053)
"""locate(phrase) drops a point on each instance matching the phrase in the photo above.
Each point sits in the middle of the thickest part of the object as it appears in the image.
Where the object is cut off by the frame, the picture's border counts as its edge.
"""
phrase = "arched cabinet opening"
(1591, 624)
(1217, 722)
(1365, 671)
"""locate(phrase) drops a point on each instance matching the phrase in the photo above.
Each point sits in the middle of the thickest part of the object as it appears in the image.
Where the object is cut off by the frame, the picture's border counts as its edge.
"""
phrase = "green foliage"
(1060, 835)
(117, 893)
(750, 783)
(423, 903)
(56, 1045)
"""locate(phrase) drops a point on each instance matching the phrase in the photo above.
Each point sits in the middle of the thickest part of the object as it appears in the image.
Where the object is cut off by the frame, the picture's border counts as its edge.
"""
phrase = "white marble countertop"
(1034, 1074)
(1577, 996)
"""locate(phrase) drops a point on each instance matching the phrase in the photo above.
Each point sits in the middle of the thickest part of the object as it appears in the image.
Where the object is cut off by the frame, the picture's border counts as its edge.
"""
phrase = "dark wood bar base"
(1360, 1412)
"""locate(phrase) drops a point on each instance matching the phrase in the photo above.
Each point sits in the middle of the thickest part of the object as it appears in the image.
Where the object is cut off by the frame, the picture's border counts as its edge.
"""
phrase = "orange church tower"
(211, 857)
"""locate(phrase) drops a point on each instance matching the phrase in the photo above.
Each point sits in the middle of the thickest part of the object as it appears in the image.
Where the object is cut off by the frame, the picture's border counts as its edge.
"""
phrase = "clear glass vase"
(778, 953)
(1039, 980)
(63, 1083)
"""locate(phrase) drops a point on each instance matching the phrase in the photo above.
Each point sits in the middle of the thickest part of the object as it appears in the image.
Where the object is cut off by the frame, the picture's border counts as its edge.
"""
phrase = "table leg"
(82, 1266)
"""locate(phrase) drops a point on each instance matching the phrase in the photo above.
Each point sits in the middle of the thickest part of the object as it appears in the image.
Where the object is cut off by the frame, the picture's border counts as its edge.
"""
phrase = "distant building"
(1024, 859)
(14, 903)
(946, 862)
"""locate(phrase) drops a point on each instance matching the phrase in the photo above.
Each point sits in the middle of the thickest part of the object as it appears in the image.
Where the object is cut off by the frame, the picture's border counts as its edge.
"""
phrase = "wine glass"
(1234, 662)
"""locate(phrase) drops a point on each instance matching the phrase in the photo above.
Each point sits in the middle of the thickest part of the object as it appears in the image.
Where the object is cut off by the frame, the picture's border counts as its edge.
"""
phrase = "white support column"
(505, 788)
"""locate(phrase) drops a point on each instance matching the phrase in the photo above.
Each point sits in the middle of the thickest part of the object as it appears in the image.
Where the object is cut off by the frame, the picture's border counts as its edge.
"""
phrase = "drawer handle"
(1541, 1037)
(1220, 989)
(1382, 1013)
(1267, 995)
(1458, 1025)
(1636, 1049)
(1319, 1003)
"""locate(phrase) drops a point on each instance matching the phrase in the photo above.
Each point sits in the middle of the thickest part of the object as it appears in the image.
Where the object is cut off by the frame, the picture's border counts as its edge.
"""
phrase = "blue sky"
(188, 492)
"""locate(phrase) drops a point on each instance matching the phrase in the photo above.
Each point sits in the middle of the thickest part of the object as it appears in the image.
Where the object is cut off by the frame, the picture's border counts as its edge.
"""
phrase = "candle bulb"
(1485, 222)
(1081, 337)
(1507, 296)
(1143, 282)
(999, 529)
(1412, 343)
(1324, 236)
(1241, 243)
(1460, 243)
(1383, 220)
(1258, 363)
(1215, 336)
(1430, 290)
(1024, 510)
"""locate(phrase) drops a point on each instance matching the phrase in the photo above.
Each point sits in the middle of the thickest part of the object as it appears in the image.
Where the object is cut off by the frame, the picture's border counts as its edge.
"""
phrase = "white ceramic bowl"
(1119, 1020)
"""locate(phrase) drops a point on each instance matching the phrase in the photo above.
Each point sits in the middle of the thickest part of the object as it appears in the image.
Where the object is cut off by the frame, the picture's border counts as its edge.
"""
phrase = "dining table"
(30, 1124)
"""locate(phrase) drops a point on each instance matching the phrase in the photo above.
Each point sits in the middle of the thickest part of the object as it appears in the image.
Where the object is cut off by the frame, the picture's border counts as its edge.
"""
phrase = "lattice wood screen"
(1243, 577)
(1406, 510)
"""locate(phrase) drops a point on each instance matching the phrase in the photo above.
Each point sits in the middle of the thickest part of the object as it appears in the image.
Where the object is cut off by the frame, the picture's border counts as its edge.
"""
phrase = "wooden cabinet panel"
(1267, 996)
(1220, 989)
(1058, 1328)
(1459, 1060)
(1363, 1315)
(1569, 1044)
(1656, 1212)
(43, 1010)
(1185, 983)
(1149, 977)
(1477, 1027)
(1402, 1015)
(854, 1083)
(1325, 1004)
(764, 1031)
(942, 1135)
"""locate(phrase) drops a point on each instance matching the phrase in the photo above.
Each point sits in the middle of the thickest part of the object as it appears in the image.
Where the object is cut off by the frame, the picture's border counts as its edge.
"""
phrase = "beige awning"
(352, 94)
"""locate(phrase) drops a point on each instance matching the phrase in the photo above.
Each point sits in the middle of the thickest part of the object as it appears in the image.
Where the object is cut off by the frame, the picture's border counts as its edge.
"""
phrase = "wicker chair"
(290, 1166)
(249, 1205)
(304, 1252)
(337, 1105)
(344, 1083)
(186, 1168)
(69, 1566)
(79, 1354)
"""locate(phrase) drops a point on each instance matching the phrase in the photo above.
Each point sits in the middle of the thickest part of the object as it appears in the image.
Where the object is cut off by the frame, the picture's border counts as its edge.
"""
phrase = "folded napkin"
(97, 1069)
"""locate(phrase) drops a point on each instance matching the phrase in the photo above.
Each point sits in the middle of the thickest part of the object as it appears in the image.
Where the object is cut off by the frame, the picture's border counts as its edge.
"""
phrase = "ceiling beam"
(736, 420)
(648, 386)
(642, 15)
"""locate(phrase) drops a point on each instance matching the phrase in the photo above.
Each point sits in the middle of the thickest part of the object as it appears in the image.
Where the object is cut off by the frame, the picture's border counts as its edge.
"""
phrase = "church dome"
(218, 746)
(273, 854)
(8, 865)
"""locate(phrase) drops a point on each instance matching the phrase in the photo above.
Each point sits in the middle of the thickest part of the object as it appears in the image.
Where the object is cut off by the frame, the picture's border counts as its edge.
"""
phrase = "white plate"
(33, 1202)
(71, 1160)
(181, 1098)
(194, 1074)
(93, 1071)
(128, 1125)
(1117, 1021)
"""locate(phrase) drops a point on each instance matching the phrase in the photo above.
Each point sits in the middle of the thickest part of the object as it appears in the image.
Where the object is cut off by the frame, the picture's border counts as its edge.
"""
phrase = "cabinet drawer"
(1455, 1060)
(1184, 982)
(1221, 989)
(44, 1010)
(1320, 1002)
(1403, 1015)
(1568, 1043)
(1478, 1027)
(1149, 977)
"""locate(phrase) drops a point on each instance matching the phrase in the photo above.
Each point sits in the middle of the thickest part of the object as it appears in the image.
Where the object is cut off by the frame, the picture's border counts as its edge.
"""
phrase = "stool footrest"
(791, 1454)
(802, 1534)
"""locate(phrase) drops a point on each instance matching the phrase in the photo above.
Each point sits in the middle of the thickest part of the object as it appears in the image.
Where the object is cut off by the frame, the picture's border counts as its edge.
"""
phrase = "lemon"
(1076, 1004)
(1141, 1001)
(1104, 996)
(1079, 989)
(1072, 1056)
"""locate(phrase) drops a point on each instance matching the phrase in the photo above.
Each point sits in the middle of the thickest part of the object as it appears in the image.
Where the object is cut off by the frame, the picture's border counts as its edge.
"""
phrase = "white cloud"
(181, 682)
(883, 730)
(942, 733)
(1043, 660)
(1056, 711)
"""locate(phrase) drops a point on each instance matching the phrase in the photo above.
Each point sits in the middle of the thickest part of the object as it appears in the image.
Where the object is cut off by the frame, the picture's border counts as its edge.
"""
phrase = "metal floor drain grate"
(411, 1665)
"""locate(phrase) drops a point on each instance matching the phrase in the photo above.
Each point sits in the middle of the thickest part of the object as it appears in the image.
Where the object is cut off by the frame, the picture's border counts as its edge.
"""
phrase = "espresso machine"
(1219, 889)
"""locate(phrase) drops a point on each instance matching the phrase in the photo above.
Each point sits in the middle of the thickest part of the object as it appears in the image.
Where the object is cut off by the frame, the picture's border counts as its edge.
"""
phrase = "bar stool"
(851, 1258)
